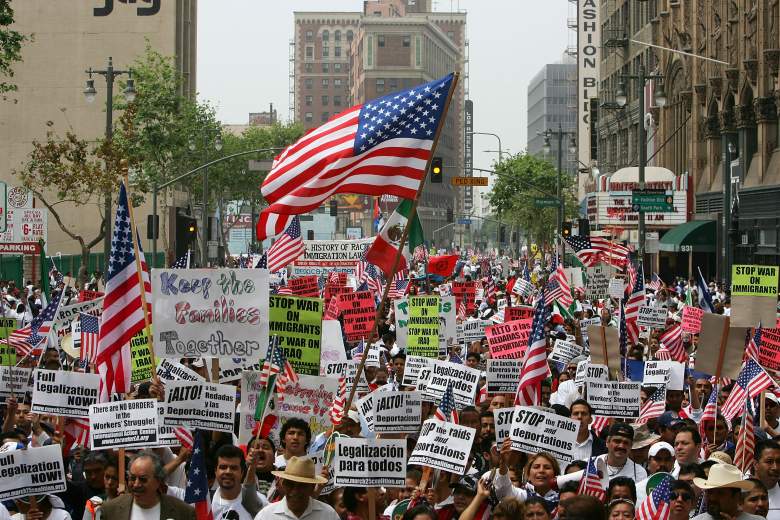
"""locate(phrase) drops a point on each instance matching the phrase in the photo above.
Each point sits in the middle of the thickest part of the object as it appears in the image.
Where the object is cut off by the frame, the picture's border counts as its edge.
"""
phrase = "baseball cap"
(466, 483)
(658, 446)
(669, 420)
(622, 430)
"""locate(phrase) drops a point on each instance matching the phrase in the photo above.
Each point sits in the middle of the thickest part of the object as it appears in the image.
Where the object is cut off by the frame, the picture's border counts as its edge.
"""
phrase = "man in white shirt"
(587, 444)
(767, 455)
(724, 486)
(231, 495)
(298, 481)
(687, 446)
(619, 442)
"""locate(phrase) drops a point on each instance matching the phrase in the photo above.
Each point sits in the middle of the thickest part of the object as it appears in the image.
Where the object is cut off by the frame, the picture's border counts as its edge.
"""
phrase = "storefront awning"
(696, 236)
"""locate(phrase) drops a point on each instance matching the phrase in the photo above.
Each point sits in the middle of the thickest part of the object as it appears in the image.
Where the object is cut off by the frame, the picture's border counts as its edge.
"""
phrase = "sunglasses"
(684, 496)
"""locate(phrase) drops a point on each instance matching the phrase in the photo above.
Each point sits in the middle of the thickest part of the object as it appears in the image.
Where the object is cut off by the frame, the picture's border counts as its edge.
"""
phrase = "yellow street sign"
(469, 181)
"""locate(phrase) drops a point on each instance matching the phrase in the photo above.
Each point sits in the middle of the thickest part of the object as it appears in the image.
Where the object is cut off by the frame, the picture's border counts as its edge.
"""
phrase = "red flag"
(442, 265)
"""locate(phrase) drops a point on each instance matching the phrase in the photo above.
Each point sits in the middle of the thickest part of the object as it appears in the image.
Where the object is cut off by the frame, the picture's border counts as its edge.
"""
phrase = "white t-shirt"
(56, 514)
(139, 513)
(220, 505)
(774, 504)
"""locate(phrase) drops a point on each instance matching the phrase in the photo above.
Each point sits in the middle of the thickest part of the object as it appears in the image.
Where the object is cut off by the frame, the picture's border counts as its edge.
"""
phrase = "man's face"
(297, 493)
(768, 467)
(722, 500)
(685, 450)
(23, 417)
(663, 461)
(617, 448)
(472, 361)
(703, 388)
(756, 502)
(295, 441)
(93, 473)
(546, 391)
(408, 489)
(143, 484)
(682, 503)
(497, 402)
(581, 413)
(674, 399)
(461, 500)
(772, 410)
(398, 365)
(722, 396)
(381, 377)
(621, 492)
(228, 473)
(487, 427)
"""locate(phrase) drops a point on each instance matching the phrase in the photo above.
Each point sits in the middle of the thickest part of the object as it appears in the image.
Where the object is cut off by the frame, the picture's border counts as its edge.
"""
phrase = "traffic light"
(502, 234)
(152, 226)
(437, 170)
(450, 216)
(334, 208)
(566, 229)
(584, 225)
(186, 233)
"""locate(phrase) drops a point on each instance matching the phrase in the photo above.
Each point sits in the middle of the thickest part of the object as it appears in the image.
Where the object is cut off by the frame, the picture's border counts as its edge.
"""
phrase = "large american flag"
(446, 410)
(18, 340)
(752, 380)
(41, 325)
(654, 406)
(746, 443)
(591, 484)
(379, 148)
(592, 250)
(672, 340)
(287, 248)
(368, 278)
(535, 366)
(123, 312)
(197, 491)
(753, 343)
(634, 301)
(90, 331)
(564, 296)
(657, 505)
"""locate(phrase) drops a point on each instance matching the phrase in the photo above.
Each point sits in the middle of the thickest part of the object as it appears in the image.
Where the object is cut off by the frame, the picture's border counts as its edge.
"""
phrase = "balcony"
(615, 37)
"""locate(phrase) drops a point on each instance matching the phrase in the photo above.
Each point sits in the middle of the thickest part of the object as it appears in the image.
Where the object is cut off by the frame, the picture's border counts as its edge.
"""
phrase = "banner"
(518, 312)
(535, 430)
(412, 368)
(194, 404)
(210, 312)
(652, 317)
(307, 286)
(397, 412)
(691, 319)
(141, 367)
(358, 310)
(464, 382)
(169, 370)
(503, 375)
(754, 280)
(310, 399)
(502, 419)
(34, 471)
(15, 381)
(465, 292)
(298, 323)
(614, 399)
(124, 424)
(322, 256)
(69, 394)
(68, 313)
(423, 326)
(443, 445)
(370, 462)
(509, 339)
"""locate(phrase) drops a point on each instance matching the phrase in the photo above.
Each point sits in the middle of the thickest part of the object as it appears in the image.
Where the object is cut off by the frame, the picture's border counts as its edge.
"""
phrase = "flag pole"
(724, 338)
(409, 222)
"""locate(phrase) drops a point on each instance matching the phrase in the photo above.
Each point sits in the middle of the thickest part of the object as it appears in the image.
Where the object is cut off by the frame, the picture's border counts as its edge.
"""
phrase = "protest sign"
(347, 370)
(85, 296)
(769, 353)
(124, 424)
(15, 381)
(464, 382)
(509, 339)
(358, 311)
(230, 368)
(321, 257)
(370, 462)
(195, 404)
(298, 324)
(250, 389)
(754, 280)
(307, 286)
(7, 352)
(575, 275)
(447, 321)
(412, 368)
(691, 319)
(564, 351)
(519, 312)
(604, 344)
(34, 471)
(652, 317)
(365, 406)
(397, 412)
(332, 345)
(597, 285)
(68, 313)
(210, 312)
(465, 292)
(535, 430)
(165, 435)
(68, 394)
(587, 370)
(503, 375)
(617, 288)
(472, 330)
(656, 373)
(502, 419)
(141, 366)
(443, 445)
(717, 330)
(310, 399)
(587, 322)
(169, 370)
(423, 326)
(614, 399)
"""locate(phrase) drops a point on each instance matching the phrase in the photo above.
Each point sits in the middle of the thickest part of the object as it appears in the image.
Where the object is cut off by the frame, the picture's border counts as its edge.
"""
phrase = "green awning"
(696, 236)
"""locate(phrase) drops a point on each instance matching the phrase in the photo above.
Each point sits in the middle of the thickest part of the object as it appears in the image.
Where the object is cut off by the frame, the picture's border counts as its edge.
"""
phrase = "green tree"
(521, 179)
(10, 47)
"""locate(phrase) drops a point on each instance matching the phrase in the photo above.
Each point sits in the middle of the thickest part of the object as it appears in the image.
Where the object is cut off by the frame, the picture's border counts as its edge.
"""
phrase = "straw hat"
(300, 469)
(723, 476)
(643, 437)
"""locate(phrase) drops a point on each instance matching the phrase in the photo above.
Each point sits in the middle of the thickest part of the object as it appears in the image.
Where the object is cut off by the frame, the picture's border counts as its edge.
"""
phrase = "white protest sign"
(165, 435)
(656, 373)
(250, 389)
(210, 313)
(230, 368)
(503, 375)
(598, 283)
(124, 424)
(614, 399)
(310, 399)
(502, 418)
(443, 445)
(464, 382)
(535, 430)
(447, 318)
(34, 471)
(397, 412)
(676, 376)
(616, 288)
(575, 275)
(15, 381)
(584, 324)
(348, 370)
(472, 330)
(170, 370)
(588, 370)
(651, 317)
(67, 313)
(319, 462)
(195, 404)
(565, 351)
(365, 406)
(68, 394)
(370, 462)
(332, 344)
(412, 369)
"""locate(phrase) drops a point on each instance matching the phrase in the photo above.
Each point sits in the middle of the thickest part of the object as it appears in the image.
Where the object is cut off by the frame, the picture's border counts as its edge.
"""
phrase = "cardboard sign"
(358, 311)
(422, 337)
(691, 319)
(597, 285)
(298, 324)
(535, 430)
(141, 366)
(502, 419)
(596, 336)
(519, 312)
(614, 399)
(307, 286)
(412, 368)
(508, 340)
(713, 329)
(754, 280)
(7, 352)
(465, 292)
(310, 399)
(473, 330)
(210, 313)
(617, 288)
(370, 462)
(397, 412)
(124, 424)
(565, 351)
(169, 370)
(443, 445)
(769, 352)
(503, 375)
(15, 381)
(464, 382)
(69, 394)
(194, 404)
(33, 471)
(652, 317)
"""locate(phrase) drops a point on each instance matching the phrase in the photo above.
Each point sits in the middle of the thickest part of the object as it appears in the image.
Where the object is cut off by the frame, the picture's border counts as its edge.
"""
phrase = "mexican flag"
(382, 252)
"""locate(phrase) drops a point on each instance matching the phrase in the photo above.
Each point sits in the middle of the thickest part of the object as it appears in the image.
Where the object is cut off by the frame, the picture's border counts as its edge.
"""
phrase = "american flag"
(590, 484)
(276, 363)
(369, 277)
(399, 287)
(707, 420)
(753, 343)
(672, 339)
(287, 248)
(523, 287)
(184, 436)
(752, 380)
(123, 313)
(76, 432)
(633, 303)
(446, 410)
(592, 250)
(654, 406)
(183, 262)
(552, 291)
(90, 332)
(490, 288)
(357, 352)
(197, 491)
(657, 505)
(535, 366)
(746, 443)
(41, 325)
(462, 310)
(55, 273)
(655, 282)
(564, 297)
(631, 276)
(381, 147)
(287, 375)
(18, 340)
(337, 411)
(599, 423)
(663, 354)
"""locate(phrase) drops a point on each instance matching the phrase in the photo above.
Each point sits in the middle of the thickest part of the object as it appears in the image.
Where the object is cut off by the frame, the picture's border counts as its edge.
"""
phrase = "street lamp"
(204, 229)
(90, 93)
(494, 135)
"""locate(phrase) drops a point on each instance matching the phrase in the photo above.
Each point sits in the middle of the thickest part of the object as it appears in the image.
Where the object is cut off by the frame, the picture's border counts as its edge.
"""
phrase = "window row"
(337, 83)
(326, 36)
(309, 117)
(325, 52)
(325, 101)
(406, 40)
(326, 67)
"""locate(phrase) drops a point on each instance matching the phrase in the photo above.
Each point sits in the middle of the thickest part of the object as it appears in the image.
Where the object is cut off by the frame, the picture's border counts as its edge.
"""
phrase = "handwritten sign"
(509, 339)
(535, 430)
(769, 353)
(124, 424)
(597, 285)
(423, 326)
(358, 311)
(691, 319)
(616, 288)
(310, 399)
(298, 324)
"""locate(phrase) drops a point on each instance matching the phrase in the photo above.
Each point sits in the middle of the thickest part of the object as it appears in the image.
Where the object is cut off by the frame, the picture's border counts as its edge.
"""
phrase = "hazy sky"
(243, 50)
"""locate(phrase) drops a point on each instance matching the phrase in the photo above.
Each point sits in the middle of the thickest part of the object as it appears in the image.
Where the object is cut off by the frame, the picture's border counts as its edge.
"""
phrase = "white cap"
(658, 446)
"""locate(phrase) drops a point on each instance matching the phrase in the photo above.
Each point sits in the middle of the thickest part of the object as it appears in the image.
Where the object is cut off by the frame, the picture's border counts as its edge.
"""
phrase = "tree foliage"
(10, 46)
(523, 178)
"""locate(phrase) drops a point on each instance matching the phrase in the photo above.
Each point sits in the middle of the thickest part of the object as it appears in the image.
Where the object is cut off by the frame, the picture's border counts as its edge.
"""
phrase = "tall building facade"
(342, 59)
(552, 98)
(69, 38)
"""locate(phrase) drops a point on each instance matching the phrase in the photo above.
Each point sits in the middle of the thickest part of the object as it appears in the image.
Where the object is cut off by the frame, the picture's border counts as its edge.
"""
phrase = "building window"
(325, 116)
(417, 52)
(337, 67)
(370, 52)
(309, 117)
(337, 52)
(349, 36)
(308, 83)
(407, 41)
(309, 36)
(380, 40)
(325, 68)
(451, 35)
(325, 35)
(309, 53)
(393, 84)
(324, 101)
(337, 36)
(324, 82)
(336, 101)
(336, 83)
(308, 67)
(380, 85)
(325, 52)
(309, 100)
